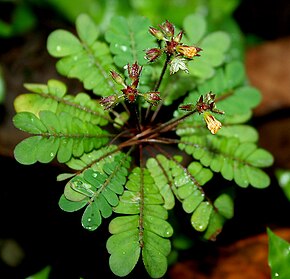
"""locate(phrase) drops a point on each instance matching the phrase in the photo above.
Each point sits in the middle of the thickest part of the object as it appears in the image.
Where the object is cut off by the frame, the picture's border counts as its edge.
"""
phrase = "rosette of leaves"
(118, 155)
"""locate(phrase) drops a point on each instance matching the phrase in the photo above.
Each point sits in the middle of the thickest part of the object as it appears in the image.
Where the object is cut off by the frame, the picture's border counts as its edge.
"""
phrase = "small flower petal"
(212, 124)
(188, 51)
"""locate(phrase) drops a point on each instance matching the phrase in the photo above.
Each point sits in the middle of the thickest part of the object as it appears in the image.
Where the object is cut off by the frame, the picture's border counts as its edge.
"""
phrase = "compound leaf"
(97, 190)
(224, 155)
(53, 96)
(128, 39)
(145, 229)
(84, 58)
(63, 135)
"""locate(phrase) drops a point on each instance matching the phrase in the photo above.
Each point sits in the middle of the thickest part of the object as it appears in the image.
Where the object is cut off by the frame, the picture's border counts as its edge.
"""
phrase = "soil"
(41, 234)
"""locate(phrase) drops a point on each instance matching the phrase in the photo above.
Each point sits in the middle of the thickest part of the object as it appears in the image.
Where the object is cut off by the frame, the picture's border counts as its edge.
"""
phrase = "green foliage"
(186, 184)
(22, 20)
(144, 230)
(129, 44)
(42, 274)
(115, 135)
(84, 58)
(283, 177)
(278, 256)
(97, 189)
(213, 55)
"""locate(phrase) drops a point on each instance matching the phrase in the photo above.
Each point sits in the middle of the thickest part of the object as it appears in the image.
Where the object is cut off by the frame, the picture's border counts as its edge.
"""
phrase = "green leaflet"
(86, 59)
(186, 185)
(143, 231)
(160, 171)
(53, 97)
(60, 135)
(128, 39)
(96, 190)
(278, 256)
(214, 46)
(95, 159)
(235, 160)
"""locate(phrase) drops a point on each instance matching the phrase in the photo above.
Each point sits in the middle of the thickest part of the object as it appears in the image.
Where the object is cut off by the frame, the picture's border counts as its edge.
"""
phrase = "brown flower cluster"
(205, 105)
(130, 91)
(173, 46)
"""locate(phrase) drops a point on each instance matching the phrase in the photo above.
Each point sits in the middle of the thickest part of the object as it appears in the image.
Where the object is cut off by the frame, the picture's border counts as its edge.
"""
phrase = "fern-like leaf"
(143, 231)
(53, 96)
(60, 135)
(160, 171)
(235, 160)
(84, 58)
(124, 37)
(97, 190)
(186, 184)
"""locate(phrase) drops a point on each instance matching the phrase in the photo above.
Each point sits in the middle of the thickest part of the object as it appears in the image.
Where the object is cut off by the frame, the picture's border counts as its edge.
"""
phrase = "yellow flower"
(188, 51)
(212, 124)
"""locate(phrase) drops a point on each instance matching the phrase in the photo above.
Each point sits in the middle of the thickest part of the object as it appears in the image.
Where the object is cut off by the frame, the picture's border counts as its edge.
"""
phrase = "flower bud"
(167, 29)
(156, 33)
(178, 37)
(109, 101)
(117, 78)
(134, 71)
(153, 53)
(152, 98)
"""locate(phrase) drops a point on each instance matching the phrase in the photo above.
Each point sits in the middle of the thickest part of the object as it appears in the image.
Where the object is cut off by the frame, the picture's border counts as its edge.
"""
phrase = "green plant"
(278, 256)
(159, 118)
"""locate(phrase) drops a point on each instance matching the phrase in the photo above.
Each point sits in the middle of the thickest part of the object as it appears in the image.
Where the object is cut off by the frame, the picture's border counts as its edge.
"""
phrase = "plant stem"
(157, 85)
(153, 133)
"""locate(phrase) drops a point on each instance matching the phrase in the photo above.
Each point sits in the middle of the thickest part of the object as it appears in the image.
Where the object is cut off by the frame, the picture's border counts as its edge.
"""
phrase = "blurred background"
(35, 233)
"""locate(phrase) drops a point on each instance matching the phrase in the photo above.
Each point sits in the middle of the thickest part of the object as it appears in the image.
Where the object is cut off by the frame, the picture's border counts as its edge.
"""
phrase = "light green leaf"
(225, 205)
(261, 158)
(86, 29)
(194, 26)
(201, 216)
(62, 43)
(125, 252)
